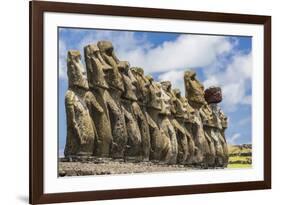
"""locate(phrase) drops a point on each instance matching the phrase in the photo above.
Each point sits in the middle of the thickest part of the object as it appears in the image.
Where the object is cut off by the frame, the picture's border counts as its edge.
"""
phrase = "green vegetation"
(240, 156)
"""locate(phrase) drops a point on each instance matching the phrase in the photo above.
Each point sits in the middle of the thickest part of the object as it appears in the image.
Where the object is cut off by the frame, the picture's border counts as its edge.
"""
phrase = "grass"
(238, 161)
(237, 166)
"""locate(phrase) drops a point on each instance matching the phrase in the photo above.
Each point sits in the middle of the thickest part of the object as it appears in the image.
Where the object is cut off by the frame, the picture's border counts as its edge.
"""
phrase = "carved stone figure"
(161, 148)
(186, 146)
(95, 71)
(213, 96)
(166, 124)
(214, 144)
(134, 143)
(119, 112)
(113, 99)
(141, 91)
(195, 96)
(224, 125)
(81, 132)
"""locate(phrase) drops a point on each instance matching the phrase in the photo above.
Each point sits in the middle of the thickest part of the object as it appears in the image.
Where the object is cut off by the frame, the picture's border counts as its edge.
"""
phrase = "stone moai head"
(96, 67)
(224, 119)
(165, 101)
(142, 85)
(167, 87)
(129, 84)
(113, 77)
(180, 109)
(155, 94)
(75, 71)
(213, 95)
(194, 90)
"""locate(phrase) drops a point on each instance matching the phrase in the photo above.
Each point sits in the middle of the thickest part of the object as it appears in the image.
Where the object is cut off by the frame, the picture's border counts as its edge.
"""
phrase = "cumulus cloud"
(235, 81)
(176, 78)
(191, 50)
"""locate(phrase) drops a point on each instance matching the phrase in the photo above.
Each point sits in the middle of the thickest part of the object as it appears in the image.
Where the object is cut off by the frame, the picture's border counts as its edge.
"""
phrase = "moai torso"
(81, 131)
(195, 95)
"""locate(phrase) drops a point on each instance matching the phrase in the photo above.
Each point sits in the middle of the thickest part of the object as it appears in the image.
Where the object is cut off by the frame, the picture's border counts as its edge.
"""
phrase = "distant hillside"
(240, 156)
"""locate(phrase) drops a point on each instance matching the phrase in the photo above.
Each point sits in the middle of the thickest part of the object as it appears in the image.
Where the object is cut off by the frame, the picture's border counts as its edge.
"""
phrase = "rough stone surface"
(121, 121)
(213, 95)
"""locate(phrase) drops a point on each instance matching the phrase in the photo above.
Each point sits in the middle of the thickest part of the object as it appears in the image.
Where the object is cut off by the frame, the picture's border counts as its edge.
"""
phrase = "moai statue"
(224, 125)
(113, 133)
(213, 96)
(128, 98)
(96, 67)
(142, 93)
(81, 132)
(116, 88)
(165, 121)
(208, 125)
(186, 153)
(195, 95)
(161, 149)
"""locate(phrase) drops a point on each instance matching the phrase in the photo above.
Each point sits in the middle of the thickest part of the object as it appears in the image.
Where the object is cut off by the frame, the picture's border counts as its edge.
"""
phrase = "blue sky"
(224, 61)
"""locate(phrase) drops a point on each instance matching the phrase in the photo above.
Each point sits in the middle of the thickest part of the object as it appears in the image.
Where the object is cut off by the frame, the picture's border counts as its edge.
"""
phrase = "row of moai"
(118, 112)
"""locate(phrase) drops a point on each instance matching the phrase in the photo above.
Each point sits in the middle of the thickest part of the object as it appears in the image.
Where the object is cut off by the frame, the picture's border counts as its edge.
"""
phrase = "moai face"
(194, 90)
(96, 67)
(75, 70)
(165, 101)
(180, 110)
(167, 87)
(113, 78)
(155, 94)
(129, 84)
(142, 85)
(224, 119)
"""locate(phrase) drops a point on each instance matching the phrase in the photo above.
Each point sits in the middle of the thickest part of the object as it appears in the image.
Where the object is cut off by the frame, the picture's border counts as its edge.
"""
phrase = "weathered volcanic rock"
(213, 95)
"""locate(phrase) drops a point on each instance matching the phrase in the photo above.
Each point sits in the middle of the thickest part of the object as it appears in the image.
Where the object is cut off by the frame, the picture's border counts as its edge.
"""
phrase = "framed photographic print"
(139, 102)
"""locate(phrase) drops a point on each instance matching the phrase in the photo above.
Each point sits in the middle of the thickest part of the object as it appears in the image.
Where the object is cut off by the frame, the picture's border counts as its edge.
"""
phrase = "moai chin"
(81, 131)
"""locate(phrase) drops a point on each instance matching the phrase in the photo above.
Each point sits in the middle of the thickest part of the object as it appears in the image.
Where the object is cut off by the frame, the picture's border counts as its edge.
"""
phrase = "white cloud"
(176, 78)
(232, 140)
(234, 81)
(187, 51)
